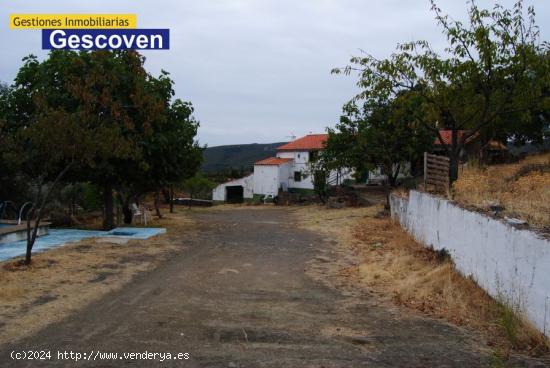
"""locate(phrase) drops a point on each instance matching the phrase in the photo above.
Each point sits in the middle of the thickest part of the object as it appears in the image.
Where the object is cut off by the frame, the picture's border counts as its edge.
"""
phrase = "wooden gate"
(436, 174)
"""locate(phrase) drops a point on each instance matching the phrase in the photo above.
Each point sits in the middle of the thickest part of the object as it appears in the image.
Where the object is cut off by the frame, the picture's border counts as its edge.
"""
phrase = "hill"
(238, 156)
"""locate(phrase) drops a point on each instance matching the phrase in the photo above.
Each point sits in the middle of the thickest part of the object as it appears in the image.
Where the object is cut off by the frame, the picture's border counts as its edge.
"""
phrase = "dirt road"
(239, 296)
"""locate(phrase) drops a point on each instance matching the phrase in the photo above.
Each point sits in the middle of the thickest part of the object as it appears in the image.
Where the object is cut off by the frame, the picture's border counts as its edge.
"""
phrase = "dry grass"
(375, 254)
(523, 189)
(65, 279)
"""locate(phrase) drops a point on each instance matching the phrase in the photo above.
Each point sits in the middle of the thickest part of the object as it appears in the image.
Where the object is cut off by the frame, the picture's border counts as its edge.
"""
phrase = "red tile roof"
(273, 161)
(308, 143)
(447, 136)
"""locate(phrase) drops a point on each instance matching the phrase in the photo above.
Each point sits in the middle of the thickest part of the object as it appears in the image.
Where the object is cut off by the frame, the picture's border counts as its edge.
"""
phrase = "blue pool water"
(5, 225)
(59, 237)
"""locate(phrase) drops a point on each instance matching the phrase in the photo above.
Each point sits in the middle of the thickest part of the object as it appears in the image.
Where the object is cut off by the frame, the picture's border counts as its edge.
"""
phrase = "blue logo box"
(105, 39)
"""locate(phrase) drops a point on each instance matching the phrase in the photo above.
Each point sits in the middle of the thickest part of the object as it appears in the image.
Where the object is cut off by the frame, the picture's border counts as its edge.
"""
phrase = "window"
(297, 176)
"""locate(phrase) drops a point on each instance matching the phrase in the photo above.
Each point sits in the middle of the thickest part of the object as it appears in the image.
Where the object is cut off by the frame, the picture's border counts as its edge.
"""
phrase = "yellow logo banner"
(72, 21)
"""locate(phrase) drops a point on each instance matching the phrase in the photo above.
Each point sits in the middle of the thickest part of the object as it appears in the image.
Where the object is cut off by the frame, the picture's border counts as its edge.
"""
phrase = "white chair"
(146, 214)
(136, 211)
(142, 212)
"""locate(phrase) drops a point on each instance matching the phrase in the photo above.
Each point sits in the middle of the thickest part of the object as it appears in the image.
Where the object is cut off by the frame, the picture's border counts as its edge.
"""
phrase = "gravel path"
(239, 296)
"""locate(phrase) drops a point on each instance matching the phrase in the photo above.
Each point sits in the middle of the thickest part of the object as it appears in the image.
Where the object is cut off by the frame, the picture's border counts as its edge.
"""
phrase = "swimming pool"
(59, 237)
(11, 231)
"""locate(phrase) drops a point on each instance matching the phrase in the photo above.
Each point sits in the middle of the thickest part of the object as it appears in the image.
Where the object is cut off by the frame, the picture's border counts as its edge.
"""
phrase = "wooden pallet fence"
(436, 173)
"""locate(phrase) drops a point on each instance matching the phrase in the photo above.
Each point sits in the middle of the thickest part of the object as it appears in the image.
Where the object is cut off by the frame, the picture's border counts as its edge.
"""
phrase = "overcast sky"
(257, 70)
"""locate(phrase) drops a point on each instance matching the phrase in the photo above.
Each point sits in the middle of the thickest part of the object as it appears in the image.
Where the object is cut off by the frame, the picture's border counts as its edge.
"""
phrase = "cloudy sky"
(257, 70)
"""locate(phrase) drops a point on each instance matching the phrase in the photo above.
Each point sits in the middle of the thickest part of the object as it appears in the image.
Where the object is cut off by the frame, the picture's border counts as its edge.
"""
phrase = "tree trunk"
(31, 237)
(390, 182)
(171, 199)
(166, 193)
(108, 216)
(157, 203)
(393, 175)
(30, 242)
(454, 157)
(127, 214)
(73, 202)
(453, 168)
(387, 192)
(41, 202)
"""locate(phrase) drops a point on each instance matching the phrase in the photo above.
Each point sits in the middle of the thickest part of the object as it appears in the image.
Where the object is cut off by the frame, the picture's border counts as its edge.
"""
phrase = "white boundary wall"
(508, 263)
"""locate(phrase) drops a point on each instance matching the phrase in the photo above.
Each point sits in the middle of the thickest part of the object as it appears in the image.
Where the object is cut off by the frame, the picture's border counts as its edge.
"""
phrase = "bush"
(91, 197)
(60, 218)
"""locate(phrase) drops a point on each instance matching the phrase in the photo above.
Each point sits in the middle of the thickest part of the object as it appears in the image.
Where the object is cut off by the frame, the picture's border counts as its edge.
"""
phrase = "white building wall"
(220, 194)
(266, 180)
(248, 186)
(508, 263)
(284, 175)
(300, 163)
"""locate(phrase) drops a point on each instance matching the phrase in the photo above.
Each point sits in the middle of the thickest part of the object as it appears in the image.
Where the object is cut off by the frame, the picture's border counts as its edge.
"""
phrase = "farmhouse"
(289, 171)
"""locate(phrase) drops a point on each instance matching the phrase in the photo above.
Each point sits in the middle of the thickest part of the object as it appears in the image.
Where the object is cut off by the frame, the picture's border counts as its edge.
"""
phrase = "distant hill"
(238, 156)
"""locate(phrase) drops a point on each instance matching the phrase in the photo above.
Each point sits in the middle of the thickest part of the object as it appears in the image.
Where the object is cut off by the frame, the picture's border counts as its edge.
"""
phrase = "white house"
(288, 171)
(235, 190)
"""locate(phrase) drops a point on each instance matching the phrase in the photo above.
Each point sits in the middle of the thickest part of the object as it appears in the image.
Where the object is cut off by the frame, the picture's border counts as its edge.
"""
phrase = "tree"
(150, 139)
(186, 152)
(50, 134)
(169, 153)
(318, 169)
(491, 70)
(94, 117)
(198, 187)
(8, 161)
(105, 91)
(117, 90)
(386, 134)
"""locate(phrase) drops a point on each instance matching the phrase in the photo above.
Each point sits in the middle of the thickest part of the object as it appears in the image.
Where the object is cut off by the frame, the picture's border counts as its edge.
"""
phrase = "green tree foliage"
(52, 132)
(319, 170)
(385, 134)
(79, 109)
(171, 154)
(7, 158)
(491, 79)
(96, 117)
(198, 186)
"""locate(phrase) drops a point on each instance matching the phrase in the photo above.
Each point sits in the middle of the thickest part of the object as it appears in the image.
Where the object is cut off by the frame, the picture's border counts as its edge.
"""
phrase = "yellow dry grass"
(374, 254)
(67, 278)
(523, 194)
